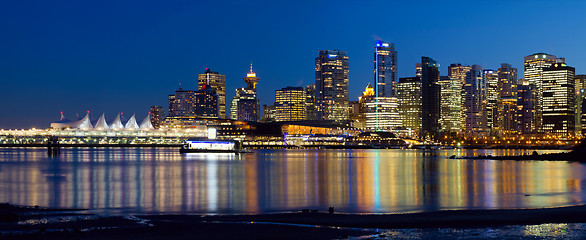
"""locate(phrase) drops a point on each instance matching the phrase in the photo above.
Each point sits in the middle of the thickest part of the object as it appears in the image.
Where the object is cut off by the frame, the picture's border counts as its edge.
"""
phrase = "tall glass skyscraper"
(331, 85)
(559, 100)
(474, 95)
(534, 65)
(385, 69)
(430, 104)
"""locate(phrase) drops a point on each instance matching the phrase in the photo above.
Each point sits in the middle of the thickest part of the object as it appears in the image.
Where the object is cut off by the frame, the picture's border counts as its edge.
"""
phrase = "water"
(161, 180)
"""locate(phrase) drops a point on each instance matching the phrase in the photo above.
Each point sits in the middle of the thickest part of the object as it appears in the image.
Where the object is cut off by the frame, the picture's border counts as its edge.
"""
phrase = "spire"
(251, 74)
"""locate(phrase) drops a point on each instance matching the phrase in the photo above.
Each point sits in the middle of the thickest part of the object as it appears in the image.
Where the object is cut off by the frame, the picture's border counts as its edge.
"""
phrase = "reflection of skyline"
(161, 180)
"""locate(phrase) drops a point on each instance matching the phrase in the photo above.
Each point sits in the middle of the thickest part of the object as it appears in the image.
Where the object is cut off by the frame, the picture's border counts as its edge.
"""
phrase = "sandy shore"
(69, 225)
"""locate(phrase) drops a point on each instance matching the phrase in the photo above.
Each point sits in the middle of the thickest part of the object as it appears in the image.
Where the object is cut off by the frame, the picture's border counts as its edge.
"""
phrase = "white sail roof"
(117, 123)
(83, 124)
(101, 124)
(131, 124)
(146, 123)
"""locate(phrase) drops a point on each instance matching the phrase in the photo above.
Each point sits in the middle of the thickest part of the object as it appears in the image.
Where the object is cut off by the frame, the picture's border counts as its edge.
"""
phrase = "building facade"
(331, 85)
(451, 105)
(382, 114)
(218, 83)
(559, 99)
(290, 104)
(430, 100)
(526, 108)
(491, 81)
(385, 69)
(157, 116)
(474, 95)
(310, 102)
(409, 97)
(533, 73)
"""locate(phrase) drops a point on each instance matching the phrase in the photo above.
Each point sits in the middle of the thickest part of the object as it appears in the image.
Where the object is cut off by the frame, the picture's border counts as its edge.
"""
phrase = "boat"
(204, 145)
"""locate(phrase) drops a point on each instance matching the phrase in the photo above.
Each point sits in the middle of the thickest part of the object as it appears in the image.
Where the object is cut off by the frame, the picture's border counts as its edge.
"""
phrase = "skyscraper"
(409, 97)
(506, 116)
(217, 82)
(290, 104)
(331, 85)
(245, 105)
(474, 95)
(385, 69)
(430, 101)
(451, 105)
(310, 102)
(526, 104)
(491, 81)
(558, 99)
(533, 69)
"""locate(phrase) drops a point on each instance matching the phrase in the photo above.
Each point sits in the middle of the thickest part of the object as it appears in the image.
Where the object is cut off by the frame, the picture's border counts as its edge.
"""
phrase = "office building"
(218, 83)
(331, 85)
(430, 100)
(206, 102)
(474, 96)
(418, 69)
(188, 103)
(382, 114)
(385, 69)
(533, 68)
(409, 97)
(558, 99)
(182, 103)
(157, 116)
(526, 108)
(491, 80)
(451, 105)
(310, 102)
(506, 117)
(290, 104)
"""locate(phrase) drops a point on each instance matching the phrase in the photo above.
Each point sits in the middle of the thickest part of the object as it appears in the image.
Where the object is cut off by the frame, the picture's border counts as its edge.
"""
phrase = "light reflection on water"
(360, 181)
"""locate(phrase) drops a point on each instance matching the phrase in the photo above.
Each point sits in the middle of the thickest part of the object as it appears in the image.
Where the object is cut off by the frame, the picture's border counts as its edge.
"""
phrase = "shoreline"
(290, 225)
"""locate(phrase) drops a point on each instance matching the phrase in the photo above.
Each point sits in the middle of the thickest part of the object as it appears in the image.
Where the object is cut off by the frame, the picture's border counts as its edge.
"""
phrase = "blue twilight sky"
(124, 56)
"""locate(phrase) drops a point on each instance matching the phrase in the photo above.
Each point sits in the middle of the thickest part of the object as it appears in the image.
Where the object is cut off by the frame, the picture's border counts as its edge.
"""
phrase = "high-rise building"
(474, 95)
(188, 103)
(451, 105)
(290, 104)
(385, 69)
(581, 104)
(245, 105)
(491, 81)
(182, 103)
(310, 102)
(418, 69)
(409, 96)
(206, 102)
(558, 99)
(459, 71)
(507, 81)
(506, 120)
(533, 69)
(506, 114)
(217, 82)
(157, 116)
(382, 114)
(430, 100)
(331, 85)
(526, 104)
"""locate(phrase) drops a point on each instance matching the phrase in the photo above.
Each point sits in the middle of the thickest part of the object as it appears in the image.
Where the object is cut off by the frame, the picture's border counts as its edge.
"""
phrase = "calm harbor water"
(150, 180)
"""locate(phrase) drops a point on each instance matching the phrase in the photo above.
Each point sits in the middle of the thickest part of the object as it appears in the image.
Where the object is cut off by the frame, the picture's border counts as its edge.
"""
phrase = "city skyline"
(63, 60)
